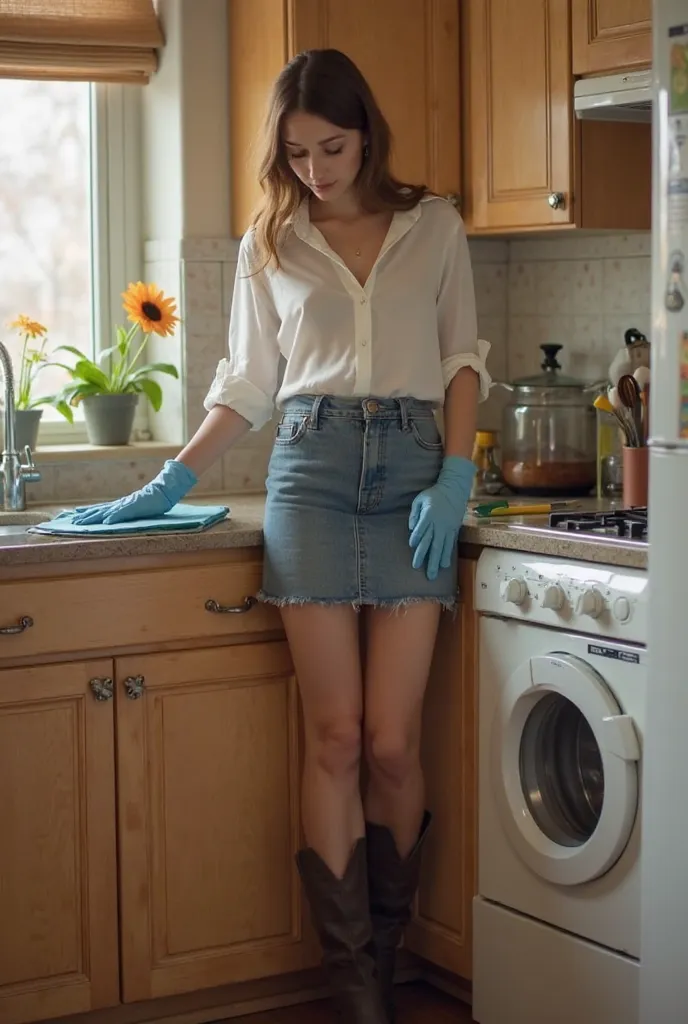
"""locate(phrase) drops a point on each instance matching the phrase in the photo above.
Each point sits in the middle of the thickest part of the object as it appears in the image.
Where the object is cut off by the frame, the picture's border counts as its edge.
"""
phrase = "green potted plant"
(32, 360)
(109, 389)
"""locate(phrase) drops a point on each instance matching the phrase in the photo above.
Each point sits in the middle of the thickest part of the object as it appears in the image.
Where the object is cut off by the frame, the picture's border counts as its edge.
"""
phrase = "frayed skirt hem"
(392, 603)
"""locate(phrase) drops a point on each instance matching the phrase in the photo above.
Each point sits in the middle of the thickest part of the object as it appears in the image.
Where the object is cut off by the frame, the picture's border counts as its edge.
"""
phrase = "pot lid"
(550, 377)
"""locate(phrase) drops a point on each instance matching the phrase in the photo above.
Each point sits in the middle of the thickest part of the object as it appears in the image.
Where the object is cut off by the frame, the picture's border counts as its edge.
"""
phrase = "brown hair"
(328, 84)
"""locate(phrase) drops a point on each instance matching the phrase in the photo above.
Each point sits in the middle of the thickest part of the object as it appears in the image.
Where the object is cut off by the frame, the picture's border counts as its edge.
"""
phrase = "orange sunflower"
(25, 325)
(146, 305)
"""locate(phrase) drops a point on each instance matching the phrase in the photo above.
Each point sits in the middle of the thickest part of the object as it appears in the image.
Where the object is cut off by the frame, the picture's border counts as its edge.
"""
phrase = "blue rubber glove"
(437, 515)
(157, 497)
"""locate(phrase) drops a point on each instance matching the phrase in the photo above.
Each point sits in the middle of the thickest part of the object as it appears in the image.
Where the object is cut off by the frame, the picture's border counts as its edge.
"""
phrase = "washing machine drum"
(565, 769)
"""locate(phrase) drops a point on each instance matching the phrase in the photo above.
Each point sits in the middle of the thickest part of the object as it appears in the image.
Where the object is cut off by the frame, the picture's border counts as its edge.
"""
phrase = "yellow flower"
(146, 306)
(28, 326)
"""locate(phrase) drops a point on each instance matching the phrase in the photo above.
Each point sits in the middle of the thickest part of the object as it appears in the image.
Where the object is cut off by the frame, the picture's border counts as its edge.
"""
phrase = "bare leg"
(324, 644)
(399, 654)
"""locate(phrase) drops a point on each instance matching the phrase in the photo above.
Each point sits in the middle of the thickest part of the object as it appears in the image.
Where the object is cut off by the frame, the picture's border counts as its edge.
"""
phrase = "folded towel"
(181, 518)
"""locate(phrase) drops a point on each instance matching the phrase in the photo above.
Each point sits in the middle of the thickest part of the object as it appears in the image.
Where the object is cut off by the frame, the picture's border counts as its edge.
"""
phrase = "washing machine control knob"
(514, 591)
(590, 603)
(554, 597)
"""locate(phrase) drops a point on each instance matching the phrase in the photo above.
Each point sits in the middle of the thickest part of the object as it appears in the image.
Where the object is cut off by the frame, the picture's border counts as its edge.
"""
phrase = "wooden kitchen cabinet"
(207, 757)
(518, 93)
(58, 871)
(441, 930)
(611, 35)
(178, 882)
(529, 163)
(410, 58)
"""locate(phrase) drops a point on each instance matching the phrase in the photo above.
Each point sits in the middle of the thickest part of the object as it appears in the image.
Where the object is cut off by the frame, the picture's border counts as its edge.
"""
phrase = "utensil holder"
(635, 476)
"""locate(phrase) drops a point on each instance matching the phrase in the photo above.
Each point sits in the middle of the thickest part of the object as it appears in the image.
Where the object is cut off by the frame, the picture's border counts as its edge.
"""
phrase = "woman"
(364, 286)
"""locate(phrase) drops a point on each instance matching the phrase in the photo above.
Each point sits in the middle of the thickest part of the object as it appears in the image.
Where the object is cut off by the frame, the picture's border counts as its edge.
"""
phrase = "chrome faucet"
(13, 474)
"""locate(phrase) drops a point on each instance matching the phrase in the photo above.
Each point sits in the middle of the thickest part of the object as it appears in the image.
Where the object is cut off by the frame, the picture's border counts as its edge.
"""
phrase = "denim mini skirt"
(342, 477)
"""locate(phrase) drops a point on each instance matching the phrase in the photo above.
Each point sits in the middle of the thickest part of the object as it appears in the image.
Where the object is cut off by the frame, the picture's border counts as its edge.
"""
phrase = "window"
(69, 243)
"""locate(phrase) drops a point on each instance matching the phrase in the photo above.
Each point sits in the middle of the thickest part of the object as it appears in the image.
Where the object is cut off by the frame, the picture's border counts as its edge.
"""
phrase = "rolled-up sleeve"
(247, 381)
(456, 315)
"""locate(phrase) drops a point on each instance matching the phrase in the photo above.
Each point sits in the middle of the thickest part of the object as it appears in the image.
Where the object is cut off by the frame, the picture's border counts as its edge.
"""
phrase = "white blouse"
(405, 334)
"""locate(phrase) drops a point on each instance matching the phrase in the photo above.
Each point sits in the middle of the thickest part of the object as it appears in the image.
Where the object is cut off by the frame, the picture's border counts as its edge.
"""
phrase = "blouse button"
(364, 343)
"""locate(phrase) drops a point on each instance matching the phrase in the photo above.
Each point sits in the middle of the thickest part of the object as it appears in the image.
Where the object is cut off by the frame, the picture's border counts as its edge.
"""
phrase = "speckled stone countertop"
(244, 528)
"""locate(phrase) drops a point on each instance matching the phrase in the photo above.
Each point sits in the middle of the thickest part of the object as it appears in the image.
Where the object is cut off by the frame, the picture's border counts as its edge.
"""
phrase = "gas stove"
(620, 524)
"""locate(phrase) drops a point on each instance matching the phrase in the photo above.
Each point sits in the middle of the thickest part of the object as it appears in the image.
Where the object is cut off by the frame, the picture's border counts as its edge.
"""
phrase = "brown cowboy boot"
(392, 884)
(341, 916)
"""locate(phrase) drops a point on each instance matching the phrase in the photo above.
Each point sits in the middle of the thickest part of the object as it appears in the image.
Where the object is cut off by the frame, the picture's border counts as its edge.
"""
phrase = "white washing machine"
(562, 678)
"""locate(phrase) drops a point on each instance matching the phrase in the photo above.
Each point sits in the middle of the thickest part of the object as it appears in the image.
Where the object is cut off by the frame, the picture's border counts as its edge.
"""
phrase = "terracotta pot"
(635, 476)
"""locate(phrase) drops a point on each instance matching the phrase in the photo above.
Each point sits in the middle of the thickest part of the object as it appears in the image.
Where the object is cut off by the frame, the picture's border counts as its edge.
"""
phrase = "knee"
(392, 756)
(337, 745)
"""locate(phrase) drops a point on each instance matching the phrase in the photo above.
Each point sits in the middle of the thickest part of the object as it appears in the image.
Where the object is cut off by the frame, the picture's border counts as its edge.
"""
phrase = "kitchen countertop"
(244, 528)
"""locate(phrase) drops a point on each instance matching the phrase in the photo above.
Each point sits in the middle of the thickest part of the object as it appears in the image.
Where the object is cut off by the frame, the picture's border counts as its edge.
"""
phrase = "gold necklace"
(358, 253)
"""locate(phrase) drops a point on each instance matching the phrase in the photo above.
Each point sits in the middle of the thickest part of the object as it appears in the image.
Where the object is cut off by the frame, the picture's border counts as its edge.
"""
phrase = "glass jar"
(549, 436)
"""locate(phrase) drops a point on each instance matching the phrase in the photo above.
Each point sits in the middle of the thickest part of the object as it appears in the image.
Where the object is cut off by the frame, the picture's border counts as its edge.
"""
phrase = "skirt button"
(372, 407)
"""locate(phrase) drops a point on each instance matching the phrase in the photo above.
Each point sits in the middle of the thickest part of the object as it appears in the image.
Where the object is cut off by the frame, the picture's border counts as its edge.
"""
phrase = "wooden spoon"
(629, 396)
(623, 416)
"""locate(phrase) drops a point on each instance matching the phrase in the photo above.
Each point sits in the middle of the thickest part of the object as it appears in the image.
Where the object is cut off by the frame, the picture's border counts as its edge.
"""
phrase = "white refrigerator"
(664, 947)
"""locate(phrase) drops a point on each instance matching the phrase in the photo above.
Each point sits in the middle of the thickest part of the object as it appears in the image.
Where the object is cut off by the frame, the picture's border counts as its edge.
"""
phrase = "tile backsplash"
(581, 292)
(578, 291)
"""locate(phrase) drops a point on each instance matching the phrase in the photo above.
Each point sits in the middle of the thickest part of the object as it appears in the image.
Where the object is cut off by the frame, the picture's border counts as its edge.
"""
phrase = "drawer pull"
(231, 609)
(102, 688)
(25, 622)
(134, 686)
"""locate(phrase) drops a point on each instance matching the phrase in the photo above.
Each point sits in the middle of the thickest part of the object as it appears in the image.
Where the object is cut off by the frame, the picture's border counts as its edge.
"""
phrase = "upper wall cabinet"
(517, 88)
(410, 59)
(610, 35)
(529, 164)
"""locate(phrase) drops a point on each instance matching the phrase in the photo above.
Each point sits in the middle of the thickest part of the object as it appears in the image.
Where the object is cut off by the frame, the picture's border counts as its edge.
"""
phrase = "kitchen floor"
(418, 1004)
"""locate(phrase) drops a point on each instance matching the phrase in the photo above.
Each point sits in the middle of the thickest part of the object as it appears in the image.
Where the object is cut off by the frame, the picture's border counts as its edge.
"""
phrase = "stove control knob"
(514, 591)
(554, 597)
(622, 609)
(590, 603)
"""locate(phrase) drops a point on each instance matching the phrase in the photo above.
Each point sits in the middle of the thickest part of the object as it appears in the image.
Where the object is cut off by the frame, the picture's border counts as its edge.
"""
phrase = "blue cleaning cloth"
(187, 518)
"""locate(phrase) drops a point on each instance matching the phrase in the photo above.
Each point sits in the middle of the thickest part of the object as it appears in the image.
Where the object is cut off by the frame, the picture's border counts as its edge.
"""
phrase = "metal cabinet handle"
(231, 609)
(134, 686)
(454, 198)
(102, 688)
(557, 200)
(25, 622)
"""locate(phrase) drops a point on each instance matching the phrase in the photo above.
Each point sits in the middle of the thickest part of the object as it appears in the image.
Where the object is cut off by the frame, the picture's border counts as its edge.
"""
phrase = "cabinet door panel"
(442, 927)
(411, 61)
(410, 56)
(208, 768)
(610, 35)
(520, 97)
(58, 880)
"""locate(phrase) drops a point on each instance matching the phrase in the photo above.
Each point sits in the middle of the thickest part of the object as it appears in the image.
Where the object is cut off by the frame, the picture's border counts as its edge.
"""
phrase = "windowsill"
(90, 452)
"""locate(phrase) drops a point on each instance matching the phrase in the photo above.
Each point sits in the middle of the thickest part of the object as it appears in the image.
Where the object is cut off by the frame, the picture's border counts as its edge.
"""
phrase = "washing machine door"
(565, 769)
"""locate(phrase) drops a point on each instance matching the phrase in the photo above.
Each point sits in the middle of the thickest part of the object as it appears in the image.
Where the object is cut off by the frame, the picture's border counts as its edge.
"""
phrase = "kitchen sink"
(19, 522)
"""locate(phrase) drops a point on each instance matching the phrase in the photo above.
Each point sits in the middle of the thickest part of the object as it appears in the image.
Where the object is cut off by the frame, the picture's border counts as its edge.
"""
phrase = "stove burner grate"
(626, 523)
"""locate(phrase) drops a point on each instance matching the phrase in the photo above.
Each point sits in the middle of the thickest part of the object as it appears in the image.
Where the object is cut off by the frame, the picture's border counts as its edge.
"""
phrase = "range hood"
(626, 97)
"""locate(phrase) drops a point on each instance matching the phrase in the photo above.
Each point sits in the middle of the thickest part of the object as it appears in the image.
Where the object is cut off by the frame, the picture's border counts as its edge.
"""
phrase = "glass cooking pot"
(549, 432)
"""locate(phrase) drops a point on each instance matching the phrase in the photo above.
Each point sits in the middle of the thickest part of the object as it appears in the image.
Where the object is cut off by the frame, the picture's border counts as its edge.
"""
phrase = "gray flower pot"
(109, 418)
(27, 423)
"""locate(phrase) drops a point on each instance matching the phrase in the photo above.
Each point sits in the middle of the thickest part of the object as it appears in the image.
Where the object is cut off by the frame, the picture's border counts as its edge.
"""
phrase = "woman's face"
(323, 156)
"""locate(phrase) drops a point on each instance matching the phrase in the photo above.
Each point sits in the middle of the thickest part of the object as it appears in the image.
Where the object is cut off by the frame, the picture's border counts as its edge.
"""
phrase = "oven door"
(564, 769)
